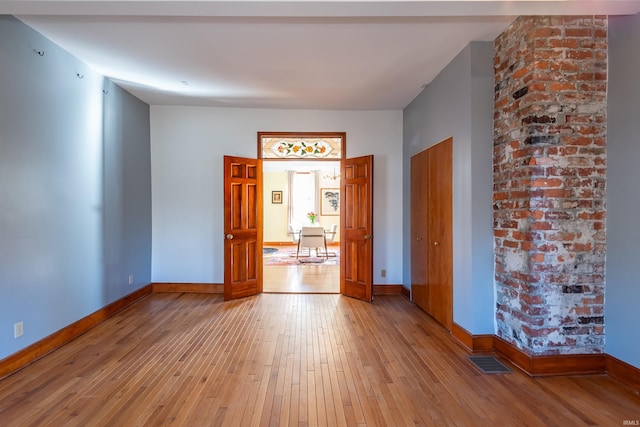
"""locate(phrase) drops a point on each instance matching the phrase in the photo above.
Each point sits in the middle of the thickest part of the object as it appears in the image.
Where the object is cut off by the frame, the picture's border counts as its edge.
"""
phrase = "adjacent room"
(295, 193)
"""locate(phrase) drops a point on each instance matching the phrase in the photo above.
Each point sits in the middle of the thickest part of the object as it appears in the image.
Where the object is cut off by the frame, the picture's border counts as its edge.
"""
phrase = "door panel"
(439, 220)
(242, 227)
(356, 265)
(432, 231)
(418, 234)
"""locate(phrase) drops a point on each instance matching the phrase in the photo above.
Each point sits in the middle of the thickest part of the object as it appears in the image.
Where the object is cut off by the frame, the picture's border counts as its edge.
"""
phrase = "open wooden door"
(242, 227)
(356, 242)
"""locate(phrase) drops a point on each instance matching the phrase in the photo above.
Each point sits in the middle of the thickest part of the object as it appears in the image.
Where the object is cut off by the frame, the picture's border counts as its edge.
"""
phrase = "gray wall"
(459, 103)
(75, 193)
(188, 235)
(622, 299)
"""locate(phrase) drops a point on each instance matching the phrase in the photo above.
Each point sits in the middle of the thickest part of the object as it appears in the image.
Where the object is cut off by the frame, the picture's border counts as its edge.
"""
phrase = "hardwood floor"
(308, 278)
(303, 278)
(290, 359)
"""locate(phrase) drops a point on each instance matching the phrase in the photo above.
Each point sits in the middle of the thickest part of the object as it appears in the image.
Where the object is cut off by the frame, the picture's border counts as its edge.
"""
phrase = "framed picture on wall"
(276, 197)
(329, 201)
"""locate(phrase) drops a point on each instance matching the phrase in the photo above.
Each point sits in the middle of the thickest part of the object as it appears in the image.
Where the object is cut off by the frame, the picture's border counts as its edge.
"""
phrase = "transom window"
(301, 146)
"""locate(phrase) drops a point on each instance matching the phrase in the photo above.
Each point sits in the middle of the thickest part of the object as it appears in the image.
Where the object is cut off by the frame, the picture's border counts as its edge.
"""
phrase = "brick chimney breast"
(549, 195)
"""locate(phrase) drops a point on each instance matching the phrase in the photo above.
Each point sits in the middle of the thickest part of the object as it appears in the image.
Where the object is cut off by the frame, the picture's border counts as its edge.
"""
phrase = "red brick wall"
(549, 183)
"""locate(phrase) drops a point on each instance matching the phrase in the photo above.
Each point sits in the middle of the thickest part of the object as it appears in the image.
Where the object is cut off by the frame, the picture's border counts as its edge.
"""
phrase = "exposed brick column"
(549, 183)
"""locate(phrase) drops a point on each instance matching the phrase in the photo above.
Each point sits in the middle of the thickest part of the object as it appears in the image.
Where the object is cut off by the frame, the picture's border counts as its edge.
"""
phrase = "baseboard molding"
(218, 288)
(406, 292)
(473, 343)
(59, 338)
(544, 365)
(200, 288)
(548, 365)
(623, 372)
(390, 290)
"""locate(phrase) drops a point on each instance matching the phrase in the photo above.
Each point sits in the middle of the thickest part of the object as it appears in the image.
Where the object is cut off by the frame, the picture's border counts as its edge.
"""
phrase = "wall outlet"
(131, 279)
(383, 273)
(18, 329)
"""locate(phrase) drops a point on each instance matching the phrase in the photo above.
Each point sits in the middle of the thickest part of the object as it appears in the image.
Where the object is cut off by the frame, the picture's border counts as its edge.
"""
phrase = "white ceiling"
(295, 54)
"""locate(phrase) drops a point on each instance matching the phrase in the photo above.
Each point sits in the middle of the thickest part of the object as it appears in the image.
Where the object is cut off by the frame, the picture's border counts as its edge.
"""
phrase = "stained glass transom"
(301, 148)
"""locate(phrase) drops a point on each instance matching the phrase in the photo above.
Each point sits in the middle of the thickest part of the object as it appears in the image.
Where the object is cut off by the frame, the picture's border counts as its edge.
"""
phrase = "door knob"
(229, 236)
(367, 236)
(435, 243)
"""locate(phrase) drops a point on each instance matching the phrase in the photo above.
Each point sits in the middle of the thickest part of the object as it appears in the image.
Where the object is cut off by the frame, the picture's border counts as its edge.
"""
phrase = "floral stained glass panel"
(301, 148)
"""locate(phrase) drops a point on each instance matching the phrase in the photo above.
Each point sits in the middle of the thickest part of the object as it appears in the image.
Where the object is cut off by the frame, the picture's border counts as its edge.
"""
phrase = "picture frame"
(329, 201)
(276, 197)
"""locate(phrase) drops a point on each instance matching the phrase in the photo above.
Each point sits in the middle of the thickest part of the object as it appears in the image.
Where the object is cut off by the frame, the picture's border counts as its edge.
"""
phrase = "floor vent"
(489, 365)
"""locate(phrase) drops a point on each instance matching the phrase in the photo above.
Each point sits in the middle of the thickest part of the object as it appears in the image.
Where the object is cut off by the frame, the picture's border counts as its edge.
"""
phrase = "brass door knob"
(435, 243)
(229, 236)
(367, 236)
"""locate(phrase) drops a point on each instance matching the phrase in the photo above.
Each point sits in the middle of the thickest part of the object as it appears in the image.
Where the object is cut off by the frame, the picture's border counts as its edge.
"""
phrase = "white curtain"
(302, 196)
(316, 191)
(290, 185)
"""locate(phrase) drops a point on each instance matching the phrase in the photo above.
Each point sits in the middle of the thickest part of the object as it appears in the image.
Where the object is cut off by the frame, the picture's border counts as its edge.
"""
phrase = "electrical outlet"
(131, 279)
(18, 329)
(383, 273)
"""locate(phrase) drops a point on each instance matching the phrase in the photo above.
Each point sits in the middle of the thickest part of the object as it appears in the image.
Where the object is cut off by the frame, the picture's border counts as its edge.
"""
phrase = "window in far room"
(304, 196)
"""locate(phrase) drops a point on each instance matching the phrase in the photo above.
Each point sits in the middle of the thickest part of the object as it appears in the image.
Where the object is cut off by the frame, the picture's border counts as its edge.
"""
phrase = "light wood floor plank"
(304, 278)
(290, 359)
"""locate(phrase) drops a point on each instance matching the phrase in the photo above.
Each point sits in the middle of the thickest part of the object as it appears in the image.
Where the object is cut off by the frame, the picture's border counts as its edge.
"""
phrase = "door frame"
(341, 135)
(342, 160)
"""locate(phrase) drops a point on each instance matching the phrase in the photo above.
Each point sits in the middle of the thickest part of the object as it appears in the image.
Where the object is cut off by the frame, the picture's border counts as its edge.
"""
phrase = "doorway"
(293, 190)
(244, 216)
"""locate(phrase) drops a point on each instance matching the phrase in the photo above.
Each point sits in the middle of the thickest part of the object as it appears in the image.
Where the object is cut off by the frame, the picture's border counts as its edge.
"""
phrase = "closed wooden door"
(432, 231)
(242, 227)
(419, 226)
(356, 241)
(440, 233)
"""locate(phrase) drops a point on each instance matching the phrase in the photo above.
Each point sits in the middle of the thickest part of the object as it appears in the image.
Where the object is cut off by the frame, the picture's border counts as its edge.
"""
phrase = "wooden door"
(440, 233)
(432, 231)
(356, 241)
(242, 227)
(418, 234)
